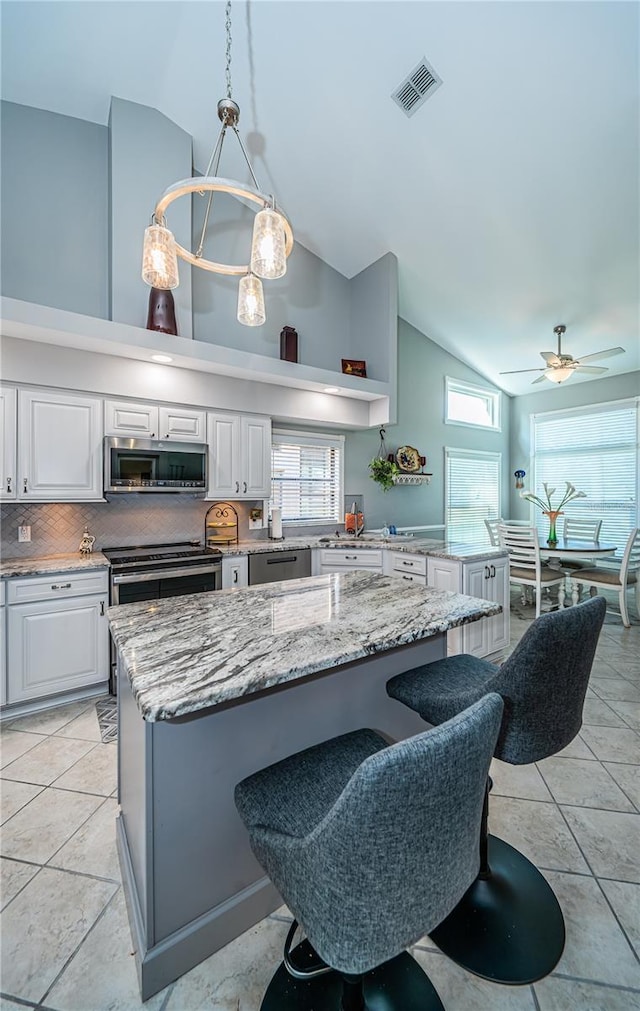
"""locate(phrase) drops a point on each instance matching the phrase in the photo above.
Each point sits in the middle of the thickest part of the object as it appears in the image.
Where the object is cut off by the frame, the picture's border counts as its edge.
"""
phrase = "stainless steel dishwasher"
(268, 566)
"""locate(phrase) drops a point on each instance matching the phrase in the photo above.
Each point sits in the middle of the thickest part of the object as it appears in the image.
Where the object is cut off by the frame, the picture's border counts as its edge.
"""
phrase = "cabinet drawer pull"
(61, 586)
(9, 483)
(410, 564)
(351, 558)
(409, 578)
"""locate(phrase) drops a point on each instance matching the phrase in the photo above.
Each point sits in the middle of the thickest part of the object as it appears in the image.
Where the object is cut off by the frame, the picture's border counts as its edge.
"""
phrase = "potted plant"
(383, 472)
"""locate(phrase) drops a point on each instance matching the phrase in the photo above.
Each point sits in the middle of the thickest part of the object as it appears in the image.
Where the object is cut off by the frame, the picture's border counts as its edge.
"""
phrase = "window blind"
(472, 494)
(306, 477)
(596, 448)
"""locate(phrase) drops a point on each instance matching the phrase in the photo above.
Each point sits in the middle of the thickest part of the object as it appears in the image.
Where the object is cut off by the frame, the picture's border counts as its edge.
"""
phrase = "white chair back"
(523, 547)
(631, 557)
(492, 527)
(577, 528)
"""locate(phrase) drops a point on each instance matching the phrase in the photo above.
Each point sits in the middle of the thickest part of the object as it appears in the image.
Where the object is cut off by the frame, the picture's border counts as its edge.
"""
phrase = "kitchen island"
(216, 685)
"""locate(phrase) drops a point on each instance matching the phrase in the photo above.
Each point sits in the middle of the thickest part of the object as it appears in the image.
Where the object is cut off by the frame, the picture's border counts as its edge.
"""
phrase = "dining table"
(575, 550)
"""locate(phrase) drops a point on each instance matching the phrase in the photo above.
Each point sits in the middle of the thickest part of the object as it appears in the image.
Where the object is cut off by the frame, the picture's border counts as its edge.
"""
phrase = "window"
(471, 405)
(306, 477)
(472, 494)
(596, 448)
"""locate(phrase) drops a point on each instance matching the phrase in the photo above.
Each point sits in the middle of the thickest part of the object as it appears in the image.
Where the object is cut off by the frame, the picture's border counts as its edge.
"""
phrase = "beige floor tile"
(577, 749)
(597, 713)
(567, 995)
(602, 668)
(615, 689)
(13, 744)
(628, 779)
(43, 926)
(50, 720)
(609, 841)
(613, 744)
(13, 796)
(96, 772)
(85, 726)
(14, 875)
(537, 830)
(47, 760)
(242, 969)
(596, 947)
(10, 1005)
(461, 991)
(522, 781)
(104, 965)
(625, 899)
(40, 828)
(92, 849)
(586, 784)
(629, 711)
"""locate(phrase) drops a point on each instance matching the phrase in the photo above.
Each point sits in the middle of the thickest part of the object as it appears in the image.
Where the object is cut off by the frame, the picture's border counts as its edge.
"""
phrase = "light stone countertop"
(189, 653)
(52, 563)
(408, 545)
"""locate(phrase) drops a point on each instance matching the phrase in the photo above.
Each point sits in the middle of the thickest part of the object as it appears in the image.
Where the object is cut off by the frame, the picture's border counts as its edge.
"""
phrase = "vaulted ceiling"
(511, 197)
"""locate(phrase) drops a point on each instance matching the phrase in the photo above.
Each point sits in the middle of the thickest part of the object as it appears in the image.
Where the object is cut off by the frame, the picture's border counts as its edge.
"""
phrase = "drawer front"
(403, 562)
(352, 559)
(57, 586)
(411, 577)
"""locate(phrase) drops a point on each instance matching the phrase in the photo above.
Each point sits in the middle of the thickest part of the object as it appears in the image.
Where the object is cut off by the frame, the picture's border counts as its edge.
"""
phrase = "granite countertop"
(409, 545)
(184, 654)
(51, 563)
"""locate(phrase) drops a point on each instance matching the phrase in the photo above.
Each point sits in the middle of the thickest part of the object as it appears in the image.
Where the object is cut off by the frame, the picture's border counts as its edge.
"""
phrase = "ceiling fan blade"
(609, 353)
(594, 369)
(514, 371)
(550, 357)
(540, 379)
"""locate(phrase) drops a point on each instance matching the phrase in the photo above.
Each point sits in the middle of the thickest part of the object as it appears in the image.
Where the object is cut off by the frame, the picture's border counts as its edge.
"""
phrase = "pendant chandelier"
(272, 236)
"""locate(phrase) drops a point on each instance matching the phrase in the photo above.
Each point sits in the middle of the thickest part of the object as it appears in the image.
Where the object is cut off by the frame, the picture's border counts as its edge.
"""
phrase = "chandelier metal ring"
(217, 184)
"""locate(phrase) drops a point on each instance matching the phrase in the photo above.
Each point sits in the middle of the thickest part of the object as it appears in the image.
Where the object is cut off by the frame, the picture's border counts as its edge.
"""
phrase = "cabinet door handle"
(101, 608)
(24, 488)
(237, 486)
(153, 435)
(235, 575)
(244, 483)
(493, 570)
(9, 483)
(167, 436)
(487, 572)
(61, 586)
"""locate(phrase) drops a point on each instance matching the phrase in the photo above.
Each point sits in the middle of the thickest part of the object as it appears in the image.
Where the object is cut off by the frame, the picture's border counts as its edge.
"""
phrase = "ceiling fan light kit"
(272, 239)
(559, 367)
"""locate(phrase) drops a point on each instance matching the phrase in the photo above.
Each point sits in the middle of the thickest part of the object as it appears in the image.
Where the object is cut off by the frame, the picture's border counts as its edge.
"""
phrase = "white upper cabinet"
(154, 421)
(239, 456)
(8, 438)
(59, 447)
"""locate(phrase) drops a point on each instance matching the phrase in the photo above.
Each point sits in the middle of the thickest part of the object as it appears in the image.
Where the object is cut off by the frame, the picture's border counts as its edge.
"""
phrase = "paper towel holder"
(279, 537)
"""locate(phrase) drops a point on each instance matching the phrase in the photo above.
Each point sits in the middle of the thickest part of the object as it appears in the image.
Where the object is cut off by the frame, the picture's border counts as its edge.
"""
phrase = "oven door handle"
(146, 577)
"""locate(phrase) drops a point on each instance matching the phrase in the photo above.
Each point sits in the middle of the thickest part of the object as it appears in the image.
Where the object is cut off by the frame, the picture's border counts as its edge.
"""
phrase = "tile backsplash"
(57, 528)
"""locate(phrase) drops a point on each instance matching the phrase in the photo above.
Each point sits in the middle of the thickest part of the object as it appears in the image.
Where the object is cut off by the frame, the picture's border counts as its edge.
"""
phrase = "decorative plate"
(408, 459)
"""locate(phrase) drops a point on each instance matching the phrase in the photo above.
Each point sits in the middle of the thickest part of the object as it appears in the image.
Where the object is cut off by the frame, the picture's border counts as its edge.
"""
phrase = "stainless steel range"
(150, 571)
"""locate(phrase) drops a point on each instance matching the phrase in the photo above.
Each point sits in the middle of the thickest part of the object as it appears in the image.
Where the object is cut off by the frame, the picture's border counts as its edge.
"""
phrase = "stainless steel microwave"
(151, 465)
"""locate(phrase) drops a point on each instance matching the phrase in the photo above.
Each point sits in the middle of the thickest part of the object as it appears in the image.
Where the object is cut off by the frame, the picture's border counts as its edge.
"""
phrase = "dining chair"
(578, 528)
(525, 564)
(619, 579)
(492, 526)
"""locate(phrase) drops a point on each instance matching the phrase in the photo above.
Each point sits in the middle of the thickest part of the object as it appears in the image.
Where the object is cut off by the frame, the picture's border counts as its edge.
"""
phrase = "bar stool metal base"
(397, 985)
(507, 927)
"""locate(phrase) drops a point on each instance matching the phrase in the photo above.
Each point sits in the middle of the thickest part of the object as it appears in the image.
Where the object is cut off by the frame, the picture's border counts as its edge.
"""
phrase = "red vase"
(162, 312)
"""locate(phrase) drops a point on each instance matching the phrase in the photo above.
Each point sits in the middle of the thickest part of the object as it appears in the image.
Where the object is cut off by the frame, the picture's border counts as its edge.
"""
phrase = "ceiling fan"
(560, 367)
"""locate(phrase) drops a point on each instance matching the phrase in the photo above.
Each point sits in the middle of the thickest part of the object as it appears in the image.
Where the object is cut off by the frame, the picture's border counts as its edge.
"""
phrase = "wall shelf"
(412, 479)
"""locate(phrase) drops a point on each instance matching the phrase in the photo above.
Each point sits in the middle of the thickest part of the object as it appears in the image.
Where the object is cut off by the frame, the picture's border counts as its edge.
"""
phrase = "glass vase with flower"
(551, 511)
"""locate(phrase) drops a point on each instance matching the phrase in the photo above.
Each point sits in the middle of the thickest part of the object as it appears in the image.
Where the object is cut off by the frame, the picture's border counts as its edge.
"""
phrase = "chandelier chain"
(227, 25)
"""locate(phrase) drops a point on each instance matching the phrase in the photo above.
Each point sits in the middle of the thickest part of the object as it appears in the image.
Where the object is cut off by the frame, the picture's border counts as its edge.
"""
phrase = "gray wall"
(558, 398)
(54, 210)
(422, 367)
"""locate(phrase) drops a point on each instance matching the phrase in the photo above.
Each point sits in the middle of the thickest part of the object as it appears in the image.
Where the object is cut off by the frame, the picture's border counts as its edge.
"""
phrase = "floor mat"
(107, 713)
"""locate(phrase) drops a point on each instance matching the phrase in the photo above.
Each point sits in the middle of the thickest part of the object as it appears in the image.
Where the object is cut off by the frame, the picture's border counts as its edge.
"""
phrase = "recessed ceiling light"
(331, 389)
(163, 359)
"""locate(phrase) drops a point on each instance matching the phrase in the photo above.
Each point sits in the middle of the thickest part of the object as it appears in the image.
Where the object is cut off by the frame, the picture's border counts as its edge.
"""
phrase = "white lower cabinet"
(57, 634)
(410, 568)
(235, 572)
(340, 560)
(3, 646)
(488, 580)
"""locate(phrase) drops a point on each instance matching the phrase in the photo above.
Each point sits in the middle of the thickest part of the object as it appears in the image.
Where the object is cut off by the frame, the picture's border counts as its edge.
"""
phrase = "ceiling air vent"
(416, 88)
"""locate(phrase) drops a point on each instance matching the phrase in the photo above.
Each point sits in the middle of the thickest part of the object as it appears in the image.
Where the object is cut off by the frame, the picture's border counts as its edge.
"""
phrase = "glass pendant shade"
(558, 375)
(268, 257)
(251, 301)
(159, 259)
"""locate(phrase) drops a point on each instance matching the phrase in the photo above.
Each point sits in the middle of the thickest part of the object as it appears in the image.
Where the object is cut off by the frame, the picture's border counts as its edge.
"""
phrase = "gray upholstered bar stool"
(370, 846)
(509, 925)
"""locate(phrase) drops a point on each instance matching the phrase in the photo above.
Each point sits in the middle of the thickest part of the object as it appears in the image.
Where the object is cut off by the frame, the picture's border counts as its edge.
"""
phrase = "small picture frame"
(354, 367)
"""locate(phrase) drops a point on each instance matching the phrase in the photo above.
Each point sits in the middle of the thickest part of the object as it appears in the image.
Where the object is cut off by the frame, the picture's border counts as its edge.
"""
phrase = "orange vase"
(553, 516)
